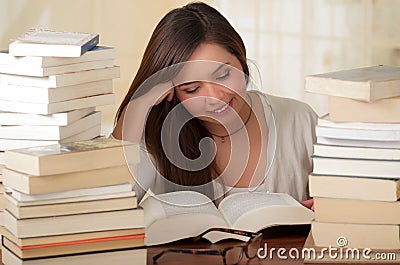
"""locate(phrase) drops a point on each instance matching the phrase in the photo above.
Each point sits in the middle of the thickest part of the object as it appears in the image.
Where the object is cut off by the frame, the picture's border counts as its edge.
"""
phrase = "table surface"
(287, 237)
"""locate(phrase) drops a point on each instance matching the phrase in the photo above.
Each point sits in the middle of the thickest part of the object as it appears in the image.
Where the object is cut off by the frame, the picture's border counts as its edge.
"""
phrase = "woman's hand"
(309, 204)
(136, 110)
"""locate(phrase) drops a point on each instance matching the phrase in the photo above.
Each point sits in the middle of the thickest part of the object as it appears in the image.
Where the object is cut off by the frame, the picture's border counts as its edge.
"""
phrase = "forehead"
(207, 61)
(211, 52)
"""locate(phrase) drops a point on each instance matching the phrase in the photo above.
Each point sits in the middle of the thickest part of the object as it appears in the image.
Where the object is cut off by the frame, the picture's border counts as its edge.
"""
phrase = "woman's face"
(211, 86)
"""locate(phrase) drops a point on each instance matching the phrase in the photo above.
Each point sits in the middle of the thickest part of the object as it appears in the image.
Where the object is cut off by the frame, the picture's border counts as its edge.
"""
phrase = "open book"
(182, 214)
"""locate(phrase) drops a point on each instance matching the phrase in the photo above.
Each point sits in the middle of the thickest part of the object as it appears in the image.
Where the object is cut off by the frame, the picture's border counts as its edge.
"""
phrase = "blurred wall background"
(287, 39)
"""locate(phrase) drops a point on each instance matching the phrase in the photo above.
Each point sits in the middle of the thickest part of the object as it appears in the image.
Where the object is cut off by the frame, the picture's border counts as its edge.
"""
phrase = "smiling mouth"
(223, 108)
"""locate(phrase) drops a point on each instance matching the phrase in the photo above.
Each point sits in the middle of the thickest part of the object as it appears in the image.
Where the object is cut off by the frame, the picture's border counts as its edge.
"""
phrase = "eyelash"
(193, 90)
(225, 75)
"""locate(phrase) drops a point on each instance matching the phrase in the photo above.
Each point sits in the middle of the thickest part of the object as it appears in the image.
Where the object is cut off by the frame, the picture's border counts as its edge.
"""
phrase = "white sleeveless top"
(288, 159)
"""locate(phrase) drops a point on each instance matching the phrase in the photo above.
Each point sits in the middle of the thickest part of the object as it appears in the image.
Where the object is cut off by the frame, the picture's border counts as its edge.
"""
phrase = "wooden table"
(276, 237)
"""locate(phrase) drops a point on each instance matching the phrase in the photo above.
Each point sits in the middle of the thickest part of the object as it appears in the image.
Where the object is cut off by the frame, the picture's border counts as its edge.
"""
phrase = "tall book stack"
(50, 85)
(67, 199)
(356, 177)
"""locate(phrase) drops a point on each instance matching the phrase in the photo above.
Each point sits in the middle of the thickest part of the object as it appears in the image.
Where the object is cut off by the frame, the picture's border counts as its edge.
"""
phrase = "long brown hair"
(173, 41)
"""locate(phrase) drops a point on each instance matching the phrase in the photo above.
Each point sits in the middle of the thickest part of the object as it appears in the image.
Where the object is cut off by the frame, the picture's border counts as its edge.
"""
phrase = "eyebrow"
(216, 70)
(219, 67)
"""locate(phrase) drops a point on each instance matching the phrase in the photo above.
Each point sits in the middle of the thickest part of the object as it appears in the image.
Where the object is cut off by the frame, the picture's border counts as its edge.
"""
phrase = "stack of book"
(68, 199)
(46, 95)
(356, 176)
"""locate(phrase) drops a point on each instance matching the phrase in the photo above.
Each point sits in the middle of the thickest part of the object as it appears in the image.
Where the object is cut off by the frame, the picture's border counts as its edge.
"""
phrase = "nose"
(213, 93)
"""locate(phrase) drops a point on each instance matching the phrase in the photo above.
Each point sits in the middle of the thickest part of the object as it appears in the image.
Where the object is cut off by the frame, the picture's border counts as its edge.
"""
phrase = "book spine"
(92, 43)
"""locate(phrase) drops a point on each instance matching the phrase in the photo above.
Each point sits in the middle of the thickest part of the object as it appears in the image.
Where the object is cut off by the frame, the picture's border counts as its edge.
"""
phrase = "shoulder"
(287, 109)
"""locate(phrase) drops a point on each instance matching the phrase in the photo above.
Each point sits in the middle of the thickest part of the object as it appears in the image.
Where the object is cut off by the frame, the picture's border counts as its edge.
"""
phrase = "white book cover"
(55, 70)
(326, 122)
(97, 53)
(56, 107)
(358, 143)
(50, 132)
(50, 95)
(89, 134)
(60, 119)
(61, 80)
(358, 134)
(22, 197)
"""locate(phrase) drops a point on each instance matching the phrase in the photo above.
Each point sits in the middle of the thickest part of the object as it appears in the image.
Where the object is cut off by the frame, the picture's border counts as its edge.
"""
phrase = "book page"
(187, 202)
(56, 37)
(176, 203)
(236, 205)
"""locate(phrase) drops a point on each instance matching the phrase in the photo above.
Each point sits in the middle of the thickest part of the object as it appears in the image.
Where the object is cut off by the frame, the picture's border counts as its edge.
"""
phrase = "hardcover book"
(367, 84)
(250, 211)
(75, 223)
(135, 256)
(72, 157)
(352, 187)
(350, 110)
(29, 184)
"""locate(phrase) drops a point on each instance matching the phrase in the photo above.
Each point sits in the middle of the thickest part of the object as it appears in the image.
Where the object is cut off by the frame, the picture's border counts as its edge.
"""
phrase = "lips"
(223, 108)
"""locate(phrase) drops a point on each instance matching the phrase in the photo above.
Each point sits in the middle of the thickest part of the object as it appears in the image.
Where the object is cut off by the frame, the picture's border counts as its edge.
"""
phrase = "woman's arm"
(131, 123)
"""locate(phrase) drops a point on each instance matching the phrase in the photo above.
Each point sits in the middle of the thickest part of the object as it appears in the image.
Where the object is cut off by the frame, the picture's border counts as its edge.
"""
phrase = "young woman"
(192, 86)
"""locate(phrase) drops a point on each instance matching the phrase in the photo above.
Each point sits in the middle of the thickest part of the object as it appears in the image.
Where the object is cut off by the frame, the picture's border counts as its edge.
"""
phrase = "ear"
(171, 95)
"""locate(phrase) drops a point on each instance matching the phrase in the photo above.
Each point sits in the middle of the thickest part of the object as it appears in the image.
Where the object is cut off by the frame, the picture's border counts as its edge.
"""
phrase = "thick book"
(374, 236)
(356, 211)
(135, 256)
(358, 143)
(326, 122)
(366, 84)
(55, 70)
(84, 246)
(31, 184)
(356, 167)
(250, 211)
(56, 107)
(72, 157)
(350, 110)
(76, 223)
(43, 42)
(51, 95)
(89, 134)
(97, 53)
(351, 187)
(50, 132)
(316, 254)
(68, 238)
(75, 205)
(68, 79)
(102, 190)
(384, 134)
(356, 152)
(60, 119)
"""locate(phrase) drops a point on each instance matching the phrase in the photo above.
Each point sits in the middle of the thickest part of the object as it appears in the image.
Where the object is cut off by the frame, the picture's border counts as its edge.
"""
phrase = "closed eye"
(192, 90)
(224, 75)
